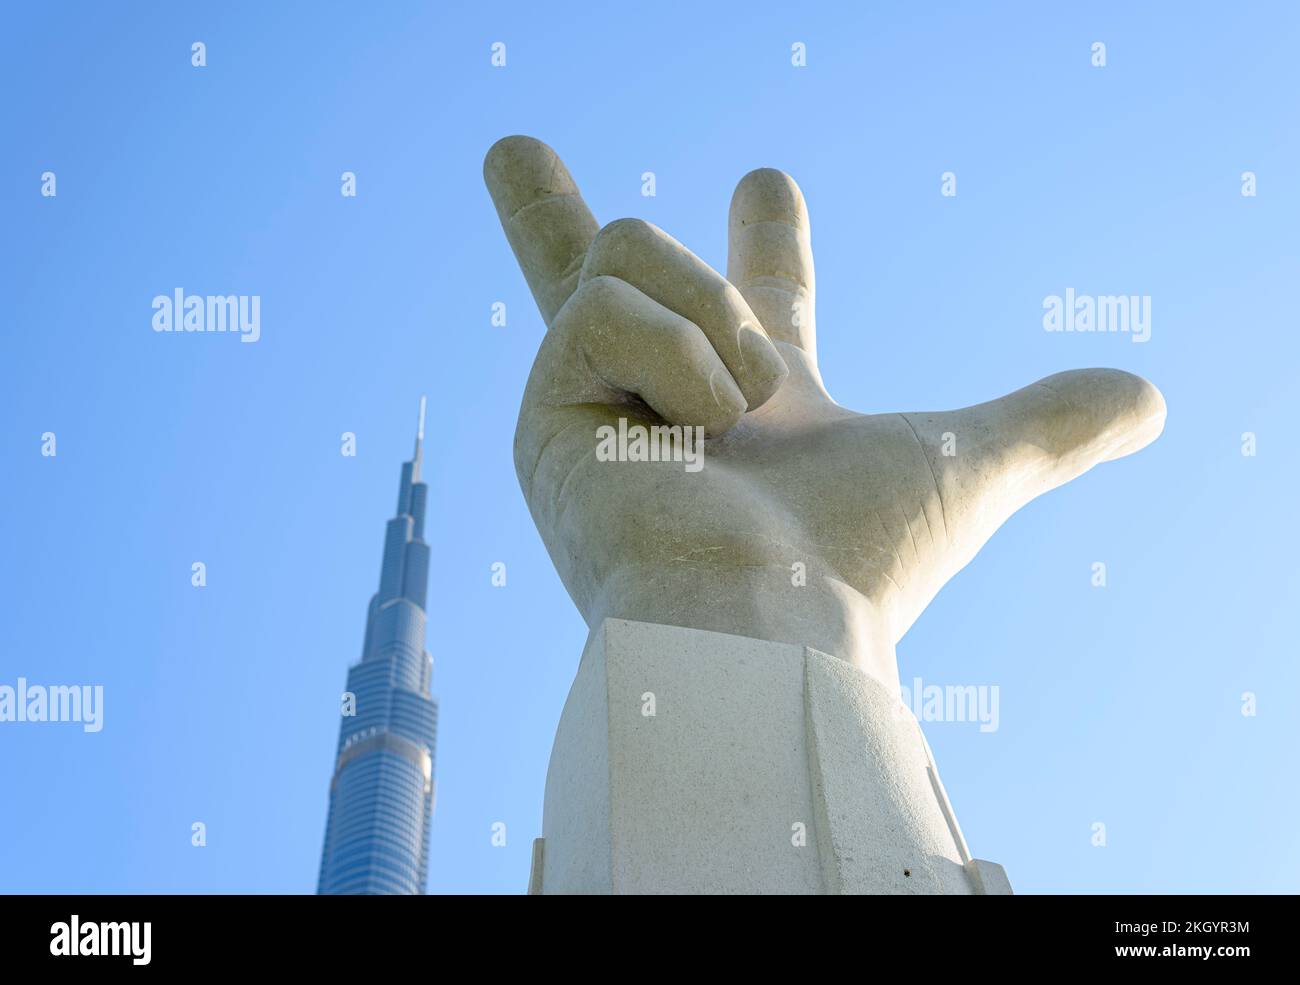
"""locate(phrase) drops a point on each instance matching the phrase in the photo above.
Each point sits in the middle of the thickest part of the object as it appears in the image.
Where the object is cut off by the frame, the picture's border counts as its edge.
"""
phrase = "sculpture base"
(695, 762)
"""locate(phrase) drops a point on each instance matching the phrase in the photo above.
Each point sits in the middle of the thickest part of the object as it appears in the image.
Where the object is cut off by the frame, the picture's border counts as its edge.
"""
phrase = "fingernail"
(731, 402)
(764, 369)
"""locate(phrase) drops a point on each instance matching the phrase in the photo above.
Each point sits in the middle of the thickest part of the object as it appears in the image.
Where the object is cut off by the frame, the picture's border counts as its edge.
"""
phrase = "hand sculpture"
(880, 509)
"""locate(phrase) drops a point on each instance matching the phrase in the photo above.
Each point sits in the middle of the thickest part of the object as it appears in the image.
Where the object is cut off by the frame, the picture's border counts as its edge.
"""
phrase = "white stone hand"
(879, 510)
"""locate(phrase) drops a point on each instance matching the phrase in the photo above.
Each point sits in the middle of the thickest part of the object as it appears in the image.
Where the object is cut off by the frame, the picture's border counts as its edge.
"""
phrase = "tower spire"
(419, 443)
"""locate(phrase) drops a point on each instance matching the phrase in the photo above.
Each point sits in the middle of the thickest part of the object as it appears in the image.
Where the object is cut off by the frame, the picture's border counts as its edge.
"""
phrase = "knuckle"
(623, 234)
(730, 298)
(602, 290)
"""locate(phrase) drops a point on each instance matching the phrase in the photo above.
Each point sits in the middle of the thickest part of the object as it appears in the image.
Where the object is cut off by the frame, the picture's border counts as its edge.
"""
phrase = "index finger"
(544, 217)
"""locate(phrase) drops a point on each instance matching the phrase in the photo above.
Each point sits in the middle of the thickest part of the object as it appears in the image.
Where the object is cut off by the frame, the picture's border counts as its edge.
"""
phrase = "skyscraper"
(381, 797)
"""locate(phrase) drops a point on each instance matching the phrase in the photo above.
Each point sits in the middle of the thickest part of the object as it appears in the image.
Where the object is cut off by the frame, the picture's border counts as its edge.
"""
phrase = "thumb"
(993, 458)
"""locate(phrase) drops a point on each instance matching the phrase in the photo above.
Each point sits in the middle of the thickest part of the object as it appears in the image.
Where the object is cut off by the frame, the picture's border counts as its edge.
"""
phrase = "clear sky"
(1120, 705)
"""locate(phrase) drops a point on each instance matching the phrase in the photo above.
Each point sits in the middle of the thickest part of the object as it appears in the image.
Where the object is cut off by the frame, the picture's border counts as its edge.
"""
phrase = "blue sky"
(1120, 705)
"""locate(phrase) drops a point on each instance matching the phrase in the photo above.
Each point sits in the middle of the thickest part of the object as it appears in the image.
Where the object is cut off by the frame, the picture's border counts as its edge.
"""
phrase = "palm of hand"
(807, 523)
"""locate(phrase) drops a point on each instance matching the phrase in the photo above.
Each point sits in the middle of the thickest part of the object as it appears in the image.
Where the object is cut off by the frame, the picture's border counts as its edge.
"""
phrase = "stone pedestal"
(696, 762)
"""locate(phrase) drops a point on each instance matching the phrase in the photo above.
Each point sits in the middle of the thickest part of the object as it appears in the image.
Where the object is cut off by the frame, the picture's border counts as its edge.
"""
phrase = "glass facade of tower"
(381, 797)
